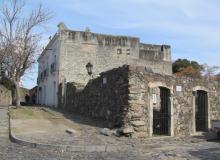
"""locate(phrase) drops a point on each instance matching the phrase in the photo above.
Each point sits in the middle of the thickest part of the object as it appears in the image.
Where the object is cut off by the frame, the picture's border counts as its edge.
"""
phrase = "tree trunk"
(13, 92)
(17, 88)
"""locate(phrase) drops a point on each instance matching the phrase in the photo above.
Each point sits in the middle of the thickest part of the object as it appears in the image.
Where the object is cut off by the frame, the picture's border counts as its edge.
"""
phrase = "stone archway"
(201, 109)
(201, 117)
(161, 113)
(161, 110)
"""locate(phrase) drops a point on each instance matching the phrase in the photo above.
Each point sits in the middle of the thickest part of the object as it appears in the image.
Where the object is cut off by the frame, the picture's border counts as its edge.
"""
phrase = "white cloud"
(192, 27)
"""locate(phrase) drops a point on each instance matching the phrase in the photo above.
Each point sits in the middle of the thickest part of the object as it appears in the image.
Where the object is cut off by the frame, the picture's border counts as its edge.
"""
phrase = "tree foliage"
(7, 83)
(218, 76)
(184, 67)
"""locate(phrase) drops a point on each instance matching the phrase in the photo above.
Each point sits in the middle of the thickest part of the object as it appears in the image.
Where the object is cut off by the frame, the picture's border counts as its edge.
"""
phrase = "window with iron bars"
(42, 75)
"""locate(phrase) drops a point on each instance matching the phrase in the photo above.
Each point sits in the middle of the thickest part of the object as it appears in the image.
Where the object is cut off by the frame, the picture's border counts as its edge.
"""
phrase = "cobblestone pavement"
(156, 149)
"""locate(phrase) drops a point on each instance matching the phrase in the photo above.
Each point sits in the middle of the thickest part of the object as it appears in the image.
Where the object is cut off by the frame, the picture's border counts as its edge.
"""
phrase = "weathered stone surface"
(132, 104)
(141, 128)
(71, 131)
(106, 132)
(104, 101)
(140, 135)
(102, 51)
(127, 130)
(5, 96)
(138, 123)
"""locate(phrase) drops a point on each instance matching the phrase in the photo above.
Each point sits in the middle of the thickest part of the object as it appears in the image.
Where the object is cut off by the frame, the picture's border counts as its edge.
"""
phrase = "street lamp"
(89, 67)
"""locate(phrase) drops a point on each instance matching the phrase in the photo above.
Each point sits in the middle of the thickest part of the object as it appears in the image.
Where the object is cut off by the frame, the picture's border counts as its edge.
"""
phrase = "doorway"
(201, 116)
(161, 113)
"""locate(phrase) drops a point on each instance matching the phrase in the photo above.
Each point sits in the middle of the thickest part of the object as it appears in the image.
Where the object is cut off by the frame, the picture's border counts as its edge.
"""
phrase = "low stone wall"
(182, 102)
(5, 96)
(124, 97)
(104, 97)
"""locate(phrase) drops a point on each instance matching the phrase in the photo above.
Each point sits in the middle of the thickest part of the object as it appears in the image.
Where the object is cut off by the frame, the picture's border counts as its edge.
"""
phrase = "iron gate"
(201, 110)
(161, 116)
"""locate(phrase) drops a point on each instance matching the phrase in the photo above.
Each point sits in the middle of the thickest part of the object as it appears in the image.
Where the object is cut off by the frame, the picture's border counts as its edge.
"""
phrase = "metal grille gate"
(201, 110)
(161, 117)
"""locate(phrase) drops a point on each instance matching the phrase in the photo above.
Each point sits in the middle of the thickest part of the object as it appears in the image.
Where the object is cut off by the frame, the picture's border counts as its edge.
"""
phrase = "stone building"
(67, 54)
(5, 96)
(144, 104)
(125, 82)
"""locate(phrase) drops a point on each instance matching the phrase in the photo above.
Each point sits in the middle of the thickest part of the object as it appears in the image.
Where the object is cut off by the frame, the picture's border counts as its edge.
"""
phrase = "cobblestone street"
(156, 149)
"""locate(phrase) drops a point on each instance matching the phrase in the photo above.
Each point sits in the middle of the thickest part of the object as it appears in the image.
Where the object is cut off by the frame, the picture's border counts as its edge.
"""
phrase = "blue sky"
(191, 27)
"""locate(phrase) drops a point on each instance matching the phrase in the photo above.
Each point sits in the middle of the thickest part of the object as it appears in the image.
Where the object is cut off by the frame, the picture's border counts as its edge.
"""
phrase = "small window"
(162, 48)
(119, 51)
(128, 51)
(104, 80)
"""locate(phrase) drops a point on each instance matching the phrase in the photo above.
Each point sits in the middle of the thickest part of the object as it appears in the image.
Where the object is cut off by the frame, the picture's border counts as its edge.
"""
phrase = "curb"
(74, 148)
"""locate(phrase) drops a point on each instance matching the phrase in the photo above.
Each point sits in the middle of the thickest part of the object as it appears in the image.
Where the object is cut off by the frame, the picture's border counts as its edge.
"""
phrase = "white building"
(48, 73)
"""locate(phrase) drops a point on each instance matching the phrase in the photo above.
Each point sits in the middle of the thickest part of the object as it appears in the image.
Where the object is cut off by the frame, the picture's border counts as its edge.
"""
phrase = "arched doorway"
(162, 113)
(201, 111)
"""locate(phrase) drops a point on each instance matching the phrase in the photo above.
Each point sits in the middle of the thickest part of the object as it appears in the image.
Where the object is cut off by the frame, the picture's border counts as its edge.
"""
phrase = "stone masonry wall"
(5, 96)
(106, 52)
(104, 97)
(124, 97)
(139, 81)
(182, 102)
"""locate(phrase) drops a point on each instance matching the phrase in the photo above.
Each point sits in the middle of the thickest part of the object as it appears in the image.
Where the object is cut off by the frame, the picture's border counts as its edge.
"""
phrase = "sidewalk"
(3, 121)
(48, 127)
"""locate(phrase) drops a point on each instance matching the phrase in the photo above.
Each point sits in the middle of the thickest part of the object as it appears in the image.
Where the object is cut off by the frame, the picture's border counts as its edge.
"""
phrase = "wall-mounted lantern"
(89, 68)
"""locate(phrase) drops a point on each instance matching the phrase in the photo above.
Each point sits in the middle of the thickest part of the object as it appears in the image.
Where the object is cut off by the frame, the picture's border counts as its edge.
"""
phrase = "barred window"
(128, 51)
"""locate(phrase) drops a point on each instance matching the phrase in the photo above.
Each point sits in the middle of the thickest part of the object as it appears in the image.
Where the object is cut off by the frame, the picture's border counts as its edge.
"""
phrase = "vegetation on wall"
(7, 83)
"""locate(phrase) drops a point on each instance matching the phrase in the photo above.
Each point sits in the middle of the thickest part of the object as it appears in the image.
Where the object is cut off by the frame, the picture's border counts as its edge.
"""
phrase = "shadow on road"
(81, 119)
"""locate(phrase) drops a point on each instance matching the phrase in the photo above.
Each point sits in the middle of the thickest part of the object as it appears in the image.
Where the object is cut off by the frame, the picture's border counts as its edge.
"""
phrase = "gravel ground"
(157, 149)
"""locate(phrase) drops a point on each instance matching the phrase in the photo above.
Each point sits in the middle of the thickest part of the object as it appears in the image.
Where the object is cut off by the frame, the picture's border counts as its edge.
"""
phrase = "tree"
(210, 71)
(87, 29)
(184, 67)
(7, 83)
(218, 76)
(19, 41)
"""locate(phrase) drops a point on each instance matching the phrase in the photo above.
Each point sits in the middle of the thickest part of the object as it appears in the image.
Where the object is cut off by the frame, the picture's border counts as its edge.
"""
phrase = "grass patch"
(29, 113)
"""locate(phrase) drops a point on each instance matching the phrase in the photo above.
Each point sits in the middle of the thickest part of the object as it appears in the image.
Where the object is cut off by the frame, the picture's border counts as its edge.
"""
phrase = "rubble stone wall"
(124, 97)
(183, 102)
(5, 96)
(105, 97)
